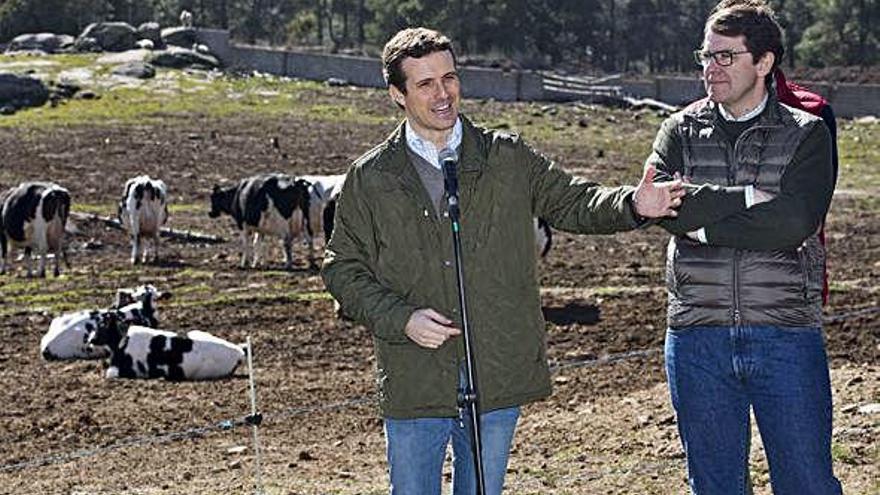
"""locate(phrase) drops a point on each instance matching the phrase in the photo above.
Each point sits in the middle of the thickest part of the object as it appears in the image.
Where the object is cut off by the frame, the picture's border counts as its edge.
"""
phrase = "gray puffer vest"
(720, 286)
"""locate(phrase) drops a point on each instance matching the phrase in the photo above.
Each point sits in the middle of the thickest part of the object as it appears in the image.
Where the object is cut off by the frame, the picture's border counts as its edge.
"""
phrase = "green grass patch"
(176, 94)
(842, 453)
(858, 148)
(194, 274)
(52, 297)
(53, 65)
(111, 209)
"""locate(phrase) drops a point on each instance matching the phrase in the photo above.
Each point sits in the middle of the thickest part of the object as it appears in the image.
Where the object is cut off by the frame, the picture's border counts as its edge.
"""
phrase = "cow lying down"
(142, 352)
(68, 334)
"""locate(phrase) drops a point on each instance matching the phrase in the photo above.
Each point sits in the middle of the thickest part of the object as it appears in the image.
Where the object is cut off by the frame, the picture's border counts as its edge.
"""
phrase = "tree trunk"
(361, 11)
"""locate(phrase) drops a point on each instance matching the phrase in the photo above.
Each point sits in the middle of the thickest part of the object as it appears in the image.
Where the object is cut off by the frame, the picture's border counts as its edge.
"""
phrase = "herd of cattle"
(33, 216)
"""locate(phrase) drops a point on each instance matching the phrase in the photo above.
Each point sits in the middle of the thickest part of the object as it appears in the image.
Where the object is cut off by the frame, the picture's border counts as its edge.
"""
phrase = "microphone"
(448, 163)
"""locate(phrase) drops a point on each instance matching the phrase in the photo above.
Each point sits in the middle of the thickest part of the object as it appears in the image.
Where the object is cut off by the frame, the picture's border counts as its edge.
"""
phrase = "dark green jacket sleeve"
(806, 189)
(573, 204)
(704, 204)
(347, 268)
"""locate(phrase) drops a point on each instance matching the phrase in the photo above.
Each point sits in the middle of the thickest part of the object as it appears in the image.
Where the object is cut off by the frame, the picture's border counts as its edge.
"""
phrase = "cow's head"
(221, 200)
(108, 333)
(142, 293)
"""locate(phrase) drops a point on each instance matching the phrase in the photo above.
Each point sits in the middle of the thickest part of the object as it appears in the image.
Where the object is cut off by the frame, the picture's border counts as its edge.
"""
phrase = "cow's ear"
(124, 297)
(216, 188)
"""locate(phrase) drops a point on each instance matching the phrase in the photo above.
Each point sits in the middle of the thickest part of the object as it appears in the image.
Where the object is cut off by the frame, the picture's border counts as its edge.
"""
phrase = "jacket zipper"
(737, 317)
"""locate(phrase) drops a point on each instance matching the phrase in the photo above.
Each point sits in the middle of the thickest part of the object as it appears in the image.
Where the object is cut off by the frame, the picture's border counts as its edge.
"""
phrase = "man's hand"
(654, 200)
(429, 328)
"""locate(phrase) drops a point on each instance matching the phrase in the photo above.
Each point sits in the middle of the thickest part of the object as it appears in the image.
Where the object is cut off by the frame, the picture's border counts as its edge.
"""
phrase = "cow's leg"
(287, 242)
(57, 252)
(156, 247)
(144, 250)
(245, 247)
(4, 253)
(42, 249)
(134, 248)
(310, 242)
(29, 262)
(134, 225)
(258, 249)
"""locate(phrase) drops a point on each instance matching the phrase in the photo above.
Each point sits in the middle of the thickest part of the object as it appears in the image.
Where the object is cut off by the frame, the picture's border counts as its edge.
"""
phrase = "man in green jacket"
(389, 264)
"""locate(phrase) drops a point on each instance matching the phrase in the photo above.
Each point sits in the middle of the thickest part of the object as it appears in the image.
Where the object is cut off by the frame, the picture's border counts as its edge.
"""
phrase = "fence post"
(254, 420)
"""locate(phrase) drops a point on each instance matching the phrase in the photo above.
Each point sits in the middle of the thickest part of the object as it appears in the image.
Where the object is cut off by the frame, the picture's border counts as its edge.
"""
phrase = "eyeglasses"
(723, 58)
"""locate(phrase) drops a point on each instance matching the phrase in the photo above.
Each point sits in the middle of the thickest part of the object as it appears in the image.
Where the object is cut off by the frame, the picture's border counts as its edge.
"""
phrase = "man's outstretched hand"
(657, 199)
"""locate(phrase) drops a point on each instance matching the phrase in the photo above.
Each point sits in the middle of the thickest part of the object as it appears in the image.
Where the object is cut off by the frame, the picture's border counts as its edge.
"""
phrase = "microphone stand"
(468, 399)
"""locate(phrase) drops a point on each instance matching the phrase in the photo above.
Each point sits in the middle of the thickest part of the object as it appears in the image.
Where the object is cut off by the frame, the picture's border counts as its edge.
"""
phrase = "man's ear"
(397, 96)
(765, 63)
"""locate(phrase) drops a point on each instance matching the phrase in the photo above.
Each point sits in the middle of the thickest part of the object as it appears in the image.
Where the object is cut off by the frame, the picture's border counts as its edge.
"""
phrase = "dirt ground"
(608, 428)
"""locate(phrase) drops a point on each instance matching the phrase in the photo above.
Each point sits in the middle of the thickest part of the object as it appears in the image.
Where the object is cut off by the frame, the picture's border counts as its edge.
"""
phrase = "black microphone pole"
(469, 398)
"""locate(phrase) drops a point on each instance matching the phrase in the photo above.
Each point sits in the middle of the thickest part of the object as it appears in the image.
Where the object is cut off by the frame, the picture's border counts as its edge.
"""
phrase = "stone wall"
(848, 100)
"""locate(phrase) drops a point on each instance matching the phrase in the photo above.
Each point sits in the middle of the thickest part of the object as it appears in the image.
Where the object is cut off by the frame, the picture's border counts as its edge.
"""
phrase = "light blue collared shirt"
(426, 149)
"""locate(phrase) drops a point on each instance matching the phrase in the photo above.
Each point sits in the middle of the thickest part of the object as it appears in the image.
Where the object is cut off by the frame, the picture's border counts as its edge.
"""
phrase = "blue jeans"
(716, 374)
(417, 449)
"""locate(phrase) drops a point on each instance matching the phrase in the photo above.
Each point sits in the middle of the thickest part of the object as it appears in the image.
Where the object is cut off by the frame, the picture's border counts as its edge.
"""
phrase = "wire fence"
(292, 412)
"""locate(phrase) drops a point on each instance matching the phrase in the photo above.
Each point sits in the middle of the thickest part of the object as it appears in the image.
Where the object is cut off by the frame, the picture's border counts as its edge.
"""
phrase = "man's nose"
(442, 92)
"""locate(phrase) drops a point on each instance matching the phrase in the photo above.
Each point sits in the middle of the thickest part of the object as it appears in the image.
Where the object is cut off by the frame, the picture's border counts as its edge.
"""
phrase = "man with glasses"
(745, 290)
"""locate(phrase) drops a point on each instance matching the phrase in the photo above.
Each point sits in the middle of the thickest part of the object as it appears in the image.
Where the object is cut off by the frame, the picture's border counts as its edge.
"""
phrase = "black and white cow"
(543, 237)
(142, 211)
(33, 216)
(323, 191)
(273, 204)
(68, 334)
(141, 352)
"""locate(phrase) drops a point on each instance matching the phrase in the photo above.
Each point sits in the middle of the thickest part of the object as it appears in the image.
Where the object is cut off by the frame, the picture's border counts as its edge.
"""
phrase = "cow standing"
(141, 352)
(142, 211)
(273, 204)
(33, 216)
(186, 19)
(323, 191)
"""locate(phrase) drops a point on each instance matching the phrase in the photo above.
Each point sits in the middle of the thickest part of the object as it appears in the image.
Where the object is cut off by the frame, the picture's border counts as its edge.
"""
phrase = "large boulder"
(179, 36)
(150, 31)
(45, 42)
(110, 36)
(139, 70)
(180, 58)
(19, 92)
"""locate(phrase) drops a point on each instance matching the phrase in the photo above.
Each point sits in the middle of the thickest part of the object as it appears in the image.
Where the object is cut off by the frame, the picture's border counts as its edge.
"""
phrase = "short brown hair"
(754, 20)
(410, 42)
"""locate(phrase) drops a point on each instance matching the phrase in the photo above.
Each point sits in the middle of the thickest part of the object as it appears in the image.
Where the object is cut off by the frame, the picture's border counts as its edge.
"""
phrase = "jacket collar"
(706, 113)
(472, 154)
